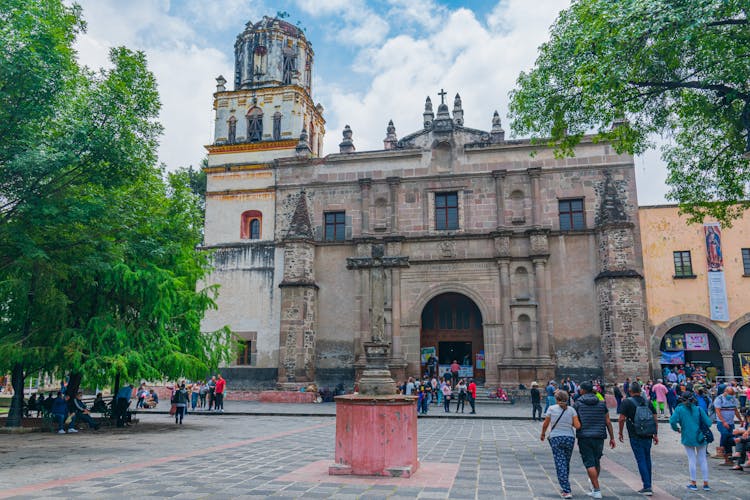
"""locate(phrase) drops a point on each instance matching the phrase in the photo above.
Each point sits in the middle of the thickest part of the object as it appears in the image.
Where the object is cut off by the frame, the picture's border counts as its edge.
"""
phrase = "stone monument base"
(376, 436)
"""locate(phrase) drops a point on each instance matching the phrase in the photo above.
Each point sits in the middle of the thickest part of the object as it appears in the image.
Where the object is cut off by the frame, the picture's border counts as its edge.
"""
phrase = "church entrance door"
(452, 330)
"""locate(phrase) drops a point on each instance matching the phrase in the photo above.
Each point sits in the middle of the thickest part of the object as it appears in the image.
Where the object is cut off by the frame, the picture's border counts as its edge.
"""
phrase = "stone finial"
(458, 111)
(303, 147)
(390, 140)
(428, 115)
(299, 225)
(347, 145)
(220, 81)
(498, 134)
(319, 108)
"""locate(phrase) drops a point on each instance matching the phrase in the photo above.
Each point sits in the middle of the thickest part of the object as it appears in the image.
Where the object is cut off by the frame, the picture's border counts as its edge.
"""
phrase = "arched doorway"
(676, 344)
(451, 329)
(741, 348)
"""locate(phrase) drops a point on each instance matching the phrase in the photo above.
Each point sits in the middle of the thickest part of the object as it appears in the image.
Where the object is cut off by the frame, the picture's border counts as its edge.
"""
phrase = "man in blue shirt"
(122, 402)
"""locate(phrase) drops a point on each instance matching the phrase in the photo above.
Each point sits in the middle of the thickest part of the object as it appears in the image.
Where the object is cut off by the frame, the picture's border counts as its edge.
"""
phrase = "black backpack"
(643, 421)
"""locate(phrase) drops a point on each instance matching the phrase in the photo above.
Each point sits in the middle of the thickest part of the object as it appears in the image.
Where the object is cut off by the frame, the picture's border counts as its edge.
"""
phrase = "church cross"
(442, 94)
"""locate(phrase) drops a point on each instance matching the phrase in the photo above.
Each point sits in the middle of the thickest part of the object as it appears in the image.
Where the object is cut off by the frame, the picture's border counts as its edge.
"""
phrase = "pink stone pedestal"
(376, 436)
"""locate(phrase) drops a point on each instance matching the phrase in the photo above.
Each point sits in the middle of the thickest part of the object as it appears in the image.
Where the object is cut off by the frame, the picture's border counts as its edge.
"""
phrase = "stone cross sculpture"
(376, 378)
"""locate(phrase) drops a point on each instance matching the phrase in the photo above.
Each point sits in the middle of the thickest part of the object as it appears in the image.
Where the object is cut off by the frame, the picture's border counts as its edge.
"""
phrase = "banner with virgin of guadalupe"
(717, 287)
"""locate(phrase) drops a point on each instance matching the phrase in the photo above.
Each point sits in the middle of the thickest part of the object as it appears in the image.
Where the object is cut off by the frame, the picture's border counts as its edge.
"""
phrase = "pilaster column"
(499, 176)
(541, 298)
(534, 174)
(364, 205)
(727, 356)
(504, 265)
(393, 184)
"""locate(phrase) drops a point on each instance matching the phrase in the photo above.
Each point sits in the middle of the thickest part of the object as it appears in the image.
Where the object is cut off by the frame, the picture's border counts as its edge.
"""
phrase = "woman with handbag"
(694, 427)
(562, 438)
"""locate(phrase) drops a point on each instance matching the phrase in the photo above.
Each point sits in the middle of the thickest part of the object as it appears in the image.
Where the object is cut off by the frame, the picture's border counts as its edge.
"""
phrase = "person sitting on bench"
(83, 413)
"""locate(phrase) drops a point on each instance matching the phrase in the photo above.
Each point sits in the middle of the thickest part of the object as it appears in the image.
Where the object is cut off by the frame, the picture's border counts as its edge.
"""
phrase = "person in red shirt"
(219, 393)
(454, 372)
(472, 389)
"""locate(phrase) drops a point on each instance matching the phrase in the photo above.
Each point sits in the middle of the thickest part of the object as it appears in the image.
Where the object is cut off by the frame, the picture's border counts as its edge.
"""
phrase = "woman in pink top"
(661, 395)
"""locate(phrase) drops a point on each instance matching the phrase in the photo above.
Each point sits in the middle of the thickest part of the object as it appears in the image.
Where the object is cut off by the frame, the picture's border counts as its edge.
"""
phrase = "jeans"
(447, 404)
(86, 418)
(642, 452)
(426, 400)
(536, 408)
(219, 403)
(727, 437)
(194, 400)
(697, 454)
(471, 403)
(461, 403)
(60, 419)
(179, 413)
(550, 402)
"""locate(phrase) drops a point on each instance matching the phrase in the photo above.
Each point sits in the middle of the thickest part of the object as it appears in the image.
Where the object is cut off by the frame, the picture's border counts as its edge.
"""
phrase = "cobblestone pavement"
(259, 457)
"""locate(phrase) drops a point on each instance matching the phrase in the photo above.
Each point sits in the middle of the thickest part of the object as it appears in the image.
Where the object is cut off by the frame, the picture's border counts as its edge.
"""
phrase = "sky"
(374, 61)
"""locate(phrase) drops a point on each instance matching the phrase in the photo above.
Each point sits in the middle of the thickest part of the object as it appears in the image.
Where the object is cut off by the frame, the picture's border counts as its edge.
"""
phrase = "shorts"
(591, 450)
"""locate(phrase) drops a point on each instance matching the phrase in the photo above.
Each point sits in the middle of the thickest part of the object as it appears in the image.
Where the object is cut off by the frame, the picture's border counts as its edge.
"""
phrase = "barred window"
(683, 266)
(571, 214)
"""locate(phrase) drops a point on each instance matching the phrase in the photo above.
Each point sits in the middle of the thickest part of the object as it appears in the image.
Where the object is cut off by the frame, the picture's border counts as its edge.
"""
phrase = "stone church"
(473, 247)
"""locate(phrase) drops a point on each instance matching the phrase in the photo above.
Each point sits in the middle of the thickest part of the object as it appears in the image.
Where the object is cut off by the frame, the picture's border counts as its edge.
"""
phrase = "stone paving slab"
(256, 457)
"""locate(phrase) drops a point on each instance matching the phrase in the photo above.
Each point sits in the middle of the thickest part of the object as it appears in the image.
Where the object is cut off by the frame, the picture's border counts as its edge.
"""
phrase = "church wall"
(248, 300)
(338, 315)
(224, 215)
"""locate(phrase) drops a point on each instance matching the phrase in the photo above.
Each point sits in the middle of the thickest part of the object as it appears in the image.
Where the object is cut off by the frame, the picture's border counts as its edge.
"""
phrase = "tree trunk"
(74, 383)
(114, 395)
(16, 406)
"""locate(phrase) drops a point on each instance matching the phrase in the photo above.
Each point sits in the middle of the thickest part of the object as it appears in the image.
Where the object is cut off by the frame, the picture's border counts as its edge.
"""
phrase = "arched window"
(255, 125)
(277, 126)
(260, 60)
(524, 332)
(232, 133)
(250, 225)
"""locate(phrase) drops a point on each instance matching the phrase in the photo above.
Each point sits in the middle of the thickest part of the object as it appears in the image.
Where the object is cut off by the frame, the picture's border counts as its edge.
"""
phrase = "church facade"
(492, 252)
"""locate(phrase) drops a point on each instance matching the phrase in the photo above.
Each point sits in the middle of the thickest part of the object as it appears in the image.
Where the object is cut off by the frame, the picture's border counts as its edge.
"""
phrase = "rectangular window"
(683, 266)
(746, 261)
(335, 226)
(244, 352)
(571, 214)
(446, 211)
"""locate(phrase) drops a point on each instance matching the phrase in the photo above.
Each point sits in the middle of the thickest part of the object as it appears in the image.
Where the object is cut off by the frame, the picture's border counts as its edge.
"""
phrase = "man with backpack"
(643, 427)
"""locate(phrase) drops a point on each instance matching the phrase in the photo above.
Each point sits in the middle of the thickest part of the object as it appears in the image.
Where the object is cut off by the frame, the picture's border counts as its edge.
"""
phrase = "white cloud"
(219, 15)
(352, 23)
(184, 71)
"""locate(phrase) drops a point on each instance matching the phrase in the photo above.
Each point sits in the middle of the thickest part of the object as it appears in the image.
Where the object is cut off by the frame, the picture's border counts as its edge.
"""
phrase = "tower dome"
(272, 52)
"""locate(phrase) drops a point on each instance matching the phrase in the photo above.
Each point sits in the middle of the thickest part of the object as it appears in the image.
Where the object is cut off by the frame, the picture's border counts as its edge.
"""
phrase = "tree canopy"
(679, 68)
(98, 265)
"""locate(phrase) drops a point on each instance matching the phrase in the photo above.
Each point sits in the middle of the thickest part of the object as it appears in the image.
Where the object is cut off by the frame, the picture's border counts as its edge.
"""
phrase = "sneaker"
(61, 431)
(706, 487)
(646, 491)
(692, 487)
(566, 495)
(594, 494)
(72, 430)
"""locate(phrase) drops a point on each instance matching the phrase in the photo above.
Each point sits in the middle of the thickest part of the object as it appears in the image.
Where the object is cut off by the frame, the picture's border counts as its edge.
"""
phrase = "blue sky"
(374, 61)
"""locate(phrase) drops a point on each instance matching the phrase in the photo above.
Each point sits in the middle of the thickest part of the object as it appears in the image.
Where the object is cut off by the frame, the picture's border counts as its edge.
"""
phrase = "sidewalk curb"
(303, 414)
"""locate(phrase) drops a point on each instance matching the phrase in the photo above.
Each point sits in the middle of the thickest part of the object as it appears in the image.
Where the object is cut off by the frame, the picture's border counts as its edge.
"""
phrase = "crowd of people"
(441, 391)
(685, 398)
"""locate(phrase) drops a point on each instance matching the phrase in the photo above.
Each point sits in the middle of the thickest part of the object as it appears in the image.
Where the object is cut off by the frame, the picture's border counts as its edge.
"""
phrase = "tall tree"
(680, 68)
(98, 268)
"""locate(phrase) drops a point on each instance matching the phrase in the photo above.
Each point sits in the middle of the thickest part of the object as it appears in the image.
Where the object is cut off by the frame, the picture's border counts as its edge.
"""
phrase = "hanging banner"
(672, 358)
(745, 367)
(717, 287)
(427, 353)
(480, 360)
(696, 342)
(674, 342)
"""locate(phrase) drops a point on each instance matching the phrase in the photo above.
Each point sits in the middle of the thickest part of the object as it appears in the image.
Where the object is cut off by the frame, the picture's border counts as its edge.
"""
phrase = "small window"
(255, 125)
(571, 215)
(446, 211)
(288, 67)
(277, 126)
(244, 352)
(250, 225)
(683, 267)
(232, 134)
(746, 261)
(335, 225)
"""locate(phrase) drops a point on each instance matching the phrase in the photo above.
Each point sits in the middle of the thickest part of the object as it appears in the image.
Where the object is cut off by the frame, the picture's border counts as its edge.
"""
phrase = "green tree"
(98, 267)
(680, 68)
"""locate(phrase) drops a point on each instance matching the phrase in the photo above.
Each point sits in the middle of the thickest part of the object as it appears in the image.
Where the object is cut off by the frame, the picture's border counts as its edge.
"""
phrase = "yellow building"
(676, 269)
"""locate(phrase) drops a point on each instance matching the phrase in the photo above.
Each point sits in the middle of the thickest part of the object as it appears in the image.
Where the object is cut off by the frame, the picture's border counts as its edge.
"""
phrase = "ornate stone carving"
(448, 249)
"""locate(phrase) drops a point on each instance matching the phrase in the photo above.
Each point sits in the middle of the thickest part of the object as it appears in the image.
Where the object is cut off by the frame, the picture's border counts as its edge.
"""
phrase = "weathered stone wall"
(248, 276)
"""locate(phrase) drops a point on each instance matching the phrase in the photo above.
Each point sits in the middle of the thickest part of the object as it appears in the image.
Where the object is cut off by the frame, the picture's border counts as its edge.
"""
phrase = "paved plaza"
(255, 456)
